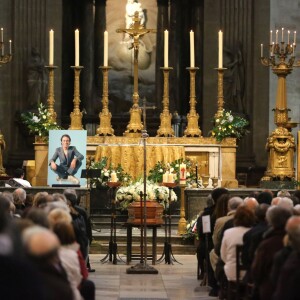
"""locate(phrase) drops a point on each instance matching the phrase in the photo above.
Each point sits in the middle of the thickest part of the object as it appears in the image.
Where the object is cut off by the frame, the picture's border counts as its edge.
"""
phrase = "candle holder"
(221, 102)
(182, 221)
(105, 128)
(215, 181)
(76, 114)
(4, 58)
(281, 143)
(192, 129)
(205, 180)
(165, 128)
(51, 100)
(281, 61)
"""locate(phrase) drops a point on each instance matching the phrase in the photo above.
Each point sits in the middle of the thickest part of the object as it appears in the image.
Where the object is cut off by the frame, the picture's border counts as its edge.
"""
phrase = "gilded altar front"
(213, 159)
(131, 157)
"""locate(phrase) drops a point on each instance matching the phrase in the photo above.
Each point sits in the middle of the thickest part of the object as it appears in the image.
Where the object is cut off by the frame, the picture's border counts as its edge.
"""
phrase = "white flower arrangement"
(127, 194)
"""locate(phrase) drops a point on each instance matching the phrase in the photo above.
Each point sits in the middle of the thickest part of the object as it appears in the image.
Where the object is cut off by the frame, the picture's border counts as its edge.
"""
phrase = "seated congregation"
(44, 242)
(252, 251)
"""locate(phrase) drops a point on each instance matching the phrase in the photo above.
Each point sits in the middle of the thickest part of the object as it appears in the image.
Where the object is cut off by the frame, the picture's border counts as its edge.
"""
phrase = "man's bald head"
(40, 241)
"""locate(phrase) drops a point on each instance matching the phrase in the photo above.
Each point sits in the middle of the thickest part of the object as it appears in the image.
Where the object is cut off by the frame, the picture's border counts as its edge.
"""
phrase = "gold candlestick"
(192, 129)
(51, 100)
(105, 127)
(76, 114)
(165, 128)
(220, 92)
(182, 221)
(281, 142)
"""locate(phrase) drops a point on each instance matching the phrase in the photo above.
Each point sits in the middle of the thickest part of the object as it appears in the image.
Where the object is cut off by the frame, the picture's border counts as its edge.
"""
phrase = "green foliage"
(106, 170)
(39, 123)
(156, 173)
(229, 125)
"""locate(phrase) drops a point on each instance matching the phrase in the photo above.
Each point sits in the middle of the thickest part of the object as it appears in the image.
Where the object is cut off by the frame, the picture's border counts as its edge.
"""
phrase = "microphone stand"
(143, 267)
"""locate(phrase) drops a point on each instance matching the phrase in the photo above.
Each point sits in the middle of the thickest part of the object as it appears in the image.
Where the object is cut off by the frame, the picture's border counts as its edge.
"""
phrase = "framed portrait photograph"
(66, 157)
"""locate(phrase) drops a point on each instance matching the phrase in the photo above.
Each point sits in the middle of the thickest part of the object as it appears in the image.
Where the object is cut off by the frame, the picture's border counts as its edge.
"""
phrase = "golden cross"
(136, 30)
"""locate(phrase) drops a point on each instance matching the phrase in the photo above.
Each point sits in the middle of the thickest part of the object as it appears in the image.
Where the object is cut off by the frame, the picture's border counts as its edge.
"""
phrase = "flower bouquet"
(39, 123)
(229, 125)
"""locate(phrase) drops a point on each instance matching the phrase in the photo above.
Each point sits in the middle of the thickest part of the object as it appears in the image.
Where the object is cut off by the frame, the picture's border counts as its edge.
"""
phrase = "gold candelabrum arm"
(105, 128)
(51, 99)
(220, 101)
(76, 114)
(165, 128)
(192, 129)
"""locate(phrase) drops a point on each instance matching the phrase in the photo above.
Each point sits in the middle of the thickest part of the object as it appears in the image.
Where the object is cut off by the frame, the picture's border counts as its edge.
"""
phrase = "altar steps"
(103, 221)
(180, 246)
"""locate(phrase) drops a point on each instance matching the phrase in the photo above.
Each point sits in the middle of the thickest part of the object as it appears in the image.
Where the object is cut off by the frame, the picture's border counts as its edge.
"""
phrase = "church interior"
(249, 88)
(200, 96)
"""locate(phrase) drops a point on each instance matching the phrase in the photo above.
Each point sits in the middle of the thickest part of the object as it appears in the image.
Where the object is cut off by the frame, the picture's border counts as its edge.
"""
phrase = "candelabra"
(165, 128)
(281, 143)
(192, 129)
(219, 112)
(76, 114)
(51, 100)
(4, 58)
(105, 127)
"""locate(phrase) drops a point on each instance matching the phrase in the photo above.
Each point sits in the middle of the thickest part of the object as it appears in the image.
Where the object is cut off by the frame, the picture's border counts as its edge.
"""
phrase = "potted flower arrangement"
(229, 125)
(191, 235)
(39, 123)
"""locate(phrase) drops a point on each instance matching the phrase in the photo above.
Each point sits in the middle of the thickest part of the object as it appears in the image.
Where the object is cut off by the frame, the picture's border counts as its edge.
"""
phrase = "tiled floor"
(173, 282)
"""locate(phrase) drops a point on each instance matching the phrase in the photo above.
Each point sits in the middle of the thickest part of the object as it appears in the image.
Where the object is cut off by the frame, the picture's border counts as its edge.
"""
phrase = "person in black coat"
(206, 243)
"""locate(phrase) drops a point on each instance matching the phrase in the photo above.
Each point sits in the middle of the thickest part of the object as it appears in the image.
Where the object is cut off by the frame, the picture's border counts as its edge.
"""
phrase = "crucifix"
(136, 31)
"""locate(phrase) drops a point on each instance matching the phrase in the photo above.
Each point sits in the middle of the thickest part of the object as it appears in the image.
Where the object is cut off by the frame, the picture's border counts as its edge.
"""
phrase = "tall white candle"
(276, 37)
(105, 55)
(288, 40)
(261, 50)
(76, 48)
(166, 49)
(294, 45)
(295, 37)
(220, 49)
(2, 37)
(271, 37)
(51, 47)
(192, 49)
(282, 31)
(10, 51)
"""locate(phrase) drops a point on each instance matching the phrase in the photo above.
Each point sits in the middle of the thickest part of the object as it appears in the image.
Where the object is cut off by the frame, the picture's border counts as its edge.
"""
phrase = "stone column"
(237, 24)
